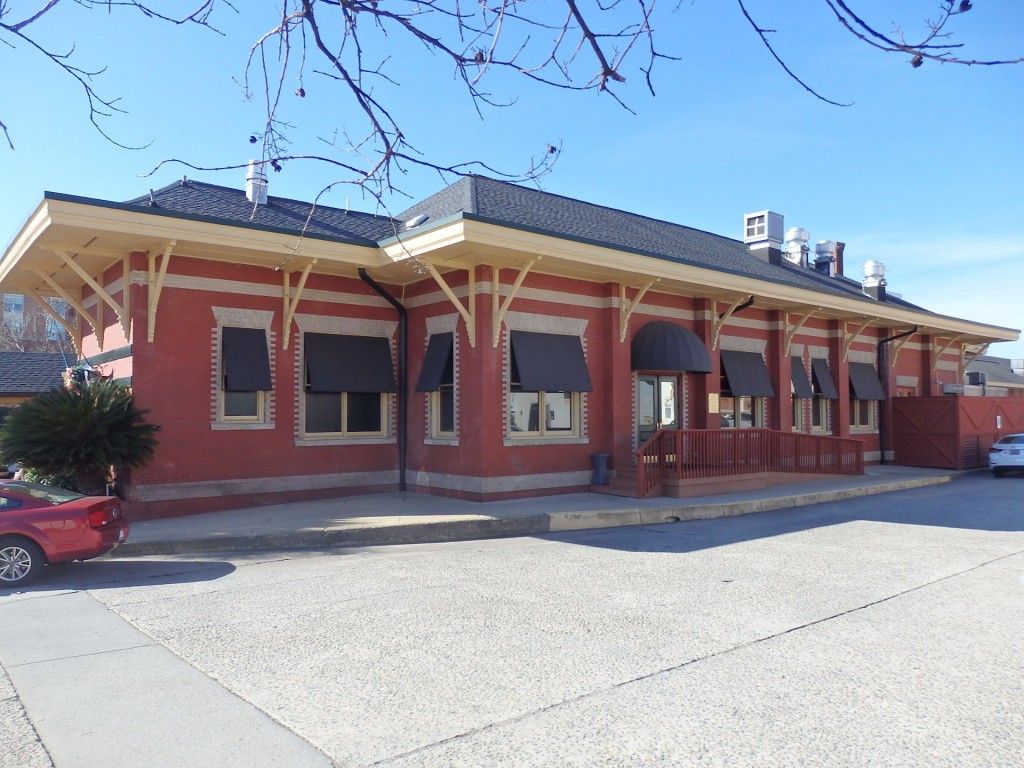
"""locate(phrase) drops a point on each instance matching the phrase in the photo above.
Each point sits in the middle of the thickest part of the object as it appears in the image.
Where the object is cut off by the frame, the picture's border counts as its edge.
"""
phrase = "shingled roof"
(503, 204)
(998, 371)
(24, 374)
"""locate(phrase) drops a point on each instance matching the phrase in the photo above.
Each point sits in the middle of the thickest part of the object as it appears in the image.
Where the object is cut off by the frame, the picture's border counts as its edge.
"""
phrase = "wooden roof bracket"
(498, 314)
(73, 332)
(626, 308)
(723, 318)
(468, 314)
(291, 303)
(97, 327)
(899, 345)
(968, 359)
(100, 291)
(941, 352)
(156, 286)
(848, 338)
(792, 331)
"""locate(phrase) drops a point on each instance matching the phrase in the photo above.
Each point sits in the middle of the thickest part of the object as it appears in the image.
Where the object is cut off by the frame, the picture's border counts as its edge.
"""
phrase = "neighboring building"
(27, 326)
(485, 344)
(23, 375)
(993, 377)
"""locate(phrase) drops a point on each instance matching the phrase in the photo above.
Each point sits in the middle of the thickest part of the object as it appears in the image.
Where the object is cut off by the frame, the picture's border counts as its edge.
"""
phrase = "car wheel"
(998, 471)
(20, 561)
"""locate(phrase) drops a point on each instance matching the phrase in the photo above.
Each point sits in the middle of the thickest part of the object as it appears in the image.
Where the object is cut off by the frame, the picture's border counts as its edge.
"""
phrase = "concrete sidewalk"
(409, 518)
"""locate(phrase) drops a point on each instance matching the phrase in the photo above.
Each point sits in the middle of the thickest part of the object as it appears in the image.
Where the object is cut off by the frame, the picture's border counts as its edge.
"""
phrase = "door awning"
(801, 384)
(337, 363)
(665, 346)
(747, 374)
(549, 362)
(822, 377)
(246, 360)
(865, 382)
(437, 363)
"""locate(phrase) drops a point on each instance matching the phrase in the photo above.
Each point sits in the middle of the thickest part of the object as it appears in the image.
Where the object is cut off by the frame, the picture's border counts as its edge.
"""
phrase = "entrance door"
(657, 405)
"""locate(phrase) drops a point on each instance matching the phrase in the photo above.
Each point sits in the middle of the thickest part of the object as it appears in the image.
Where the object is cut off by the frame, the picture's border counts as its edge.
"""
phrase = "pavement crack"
(691, 662)
(84, 655)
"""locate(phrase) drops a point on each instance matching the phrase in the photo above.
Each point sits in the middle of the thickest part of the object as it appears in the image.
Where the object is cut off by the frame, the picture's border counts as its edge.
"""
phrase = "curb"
(495, 527)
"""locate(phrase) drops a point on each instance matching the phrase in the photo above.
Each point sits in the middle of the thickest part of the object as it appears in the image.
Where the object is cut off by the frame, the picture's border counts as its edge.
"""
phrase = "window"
(824, 390)
(802, 392)
(347, 379)
(743, 386)
(865, 390)
(548, 374)
(438, 378)
(245, 374)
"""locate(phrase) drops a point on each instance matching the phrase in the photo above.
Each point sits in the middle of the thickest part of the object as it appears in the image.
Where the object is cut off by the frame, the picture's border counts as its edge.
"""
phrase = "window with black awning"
(801, 384)
(549, 362)
(865, 382)
(822, 378)
(246, 359)
(746, 374)
(438, 368)
(338, 363)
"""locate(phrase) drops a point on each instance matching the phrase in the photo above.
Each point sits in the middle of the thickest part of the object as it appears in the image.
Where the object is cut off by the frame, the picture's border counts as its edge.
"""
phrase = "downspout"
(883, 374)
(403, 375)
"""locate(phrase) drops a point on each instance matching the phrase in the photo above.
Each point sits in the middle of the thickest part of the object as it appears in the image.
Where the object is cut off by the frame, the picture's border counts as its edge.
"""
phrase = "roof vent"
(415, 221)
(825, 257)
(762, 233)
(874, 280)
(796, 246)
(256, 184)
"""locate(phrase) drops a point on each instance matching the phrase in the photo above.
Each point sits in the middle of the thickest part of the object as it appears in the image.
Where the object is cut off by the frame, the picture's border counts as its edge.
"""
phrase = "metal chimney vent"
(796, 246)
(256, 184)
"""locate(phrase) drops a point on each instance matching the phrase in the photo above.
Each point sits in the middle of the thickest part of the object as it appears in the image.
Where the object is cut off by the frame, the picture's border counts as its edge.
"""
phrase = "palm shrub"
(84, 430)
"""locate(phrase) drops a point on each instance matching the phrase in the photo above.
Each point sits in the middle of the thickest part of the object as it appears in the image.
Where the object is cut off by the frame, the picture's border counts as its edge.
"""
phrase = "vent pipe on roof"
(874, 280)
(796, 246)
(762, 234)
(256, 183)
(825, 257)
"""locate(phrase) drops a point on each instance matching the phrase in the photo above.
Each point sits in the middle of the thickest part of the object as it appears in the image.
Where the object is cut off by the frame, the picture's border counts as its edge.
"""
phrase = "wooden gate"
(951, 432)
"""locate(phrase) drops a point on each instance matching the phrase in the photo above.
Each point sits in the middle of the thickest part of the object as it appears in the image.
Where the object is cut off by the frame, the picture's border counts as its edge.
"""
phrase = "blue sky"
(923, 172)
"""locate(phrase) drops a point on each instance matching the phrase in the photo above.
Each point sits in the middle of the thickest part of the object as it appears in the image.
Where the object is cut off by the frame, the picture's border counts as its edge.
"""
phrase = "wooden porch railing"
(697, 453)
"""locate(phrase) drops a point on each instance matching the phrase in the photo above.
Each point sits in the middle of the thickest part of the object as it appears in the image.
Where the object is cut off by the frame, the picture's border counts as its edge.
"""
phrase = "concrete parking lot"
(876, 631)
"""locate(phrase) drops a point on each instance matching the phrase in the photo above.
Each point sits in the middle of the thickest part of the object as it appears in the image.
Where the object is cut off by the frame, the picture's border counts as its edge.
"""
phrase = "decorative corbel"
(849, 338)
(291, 303)
(97, 327)
(73, 332)
(792, 331)
(626, 308)
(970, 358)
(722, 319)
(99, 290)
(468, 314)
(156, 286)
(942, 351)
(898, 345)
(498, 314)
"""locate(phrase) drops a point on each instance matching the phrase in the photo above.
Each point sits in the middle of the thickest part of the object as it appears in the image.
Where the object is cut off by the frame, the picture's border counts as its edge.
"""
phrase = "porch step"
(622, 483)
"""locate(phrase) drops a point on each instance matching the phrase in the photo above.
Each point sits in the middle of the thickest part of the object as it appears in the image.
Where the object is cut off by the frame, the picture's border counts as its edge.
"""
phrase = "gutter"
(883, 374)
(403, 375)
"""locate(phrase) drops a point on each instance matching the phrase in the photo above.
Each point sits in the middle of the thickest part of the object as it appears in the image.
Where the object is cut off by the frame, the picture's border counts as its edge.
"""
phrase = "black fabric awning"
(246, 359)
(747, 374)
(437, 364)
(549, 362)
(665, 346)
(865, 382)
(801, 384)
(336, 363)
(823, 378)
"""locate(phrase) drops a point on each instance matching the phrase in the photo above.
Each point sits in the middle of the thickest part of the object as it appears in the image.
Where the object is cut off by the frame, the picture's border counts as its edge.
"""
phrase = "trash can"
(600, 476)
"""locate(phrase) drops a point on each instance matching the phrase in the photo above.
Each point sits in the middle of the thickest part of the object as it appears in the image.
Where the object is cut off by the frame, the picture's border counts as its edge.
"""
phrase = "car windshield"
(42, 492)
(1012, 439)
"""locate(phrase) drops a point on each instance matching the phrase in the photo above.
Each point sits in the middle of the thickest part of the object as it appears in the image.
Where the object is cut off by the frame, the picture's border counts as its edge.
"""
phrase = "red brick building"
(485, 344)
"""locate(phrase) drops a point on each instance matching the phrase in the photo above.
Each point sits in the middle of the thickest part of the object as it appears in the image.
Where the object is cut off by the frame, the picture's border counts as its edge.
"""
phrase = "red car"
(40, 525)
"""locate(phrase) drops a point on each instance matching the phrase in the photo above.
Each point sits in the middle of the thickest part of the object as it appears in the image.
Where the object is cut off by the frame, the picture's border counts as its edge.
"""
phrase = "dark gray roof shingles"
(30, 373)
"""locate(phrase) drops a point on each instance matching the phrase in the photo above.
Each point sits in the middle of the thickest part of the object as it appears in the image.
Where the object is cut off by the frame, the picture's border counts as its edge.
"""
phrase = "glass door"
(657, 405)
